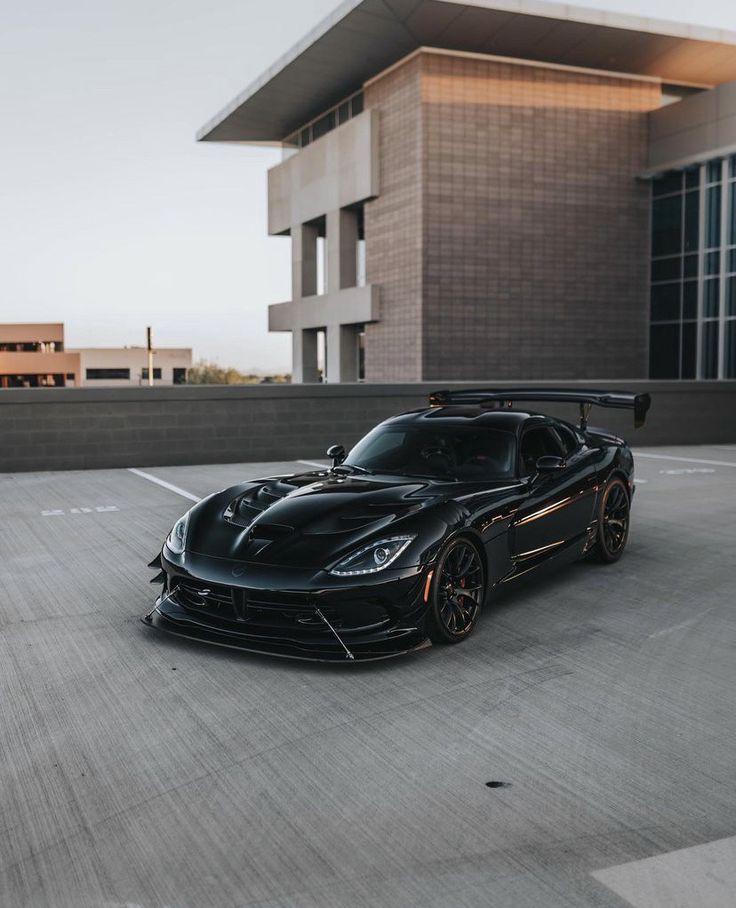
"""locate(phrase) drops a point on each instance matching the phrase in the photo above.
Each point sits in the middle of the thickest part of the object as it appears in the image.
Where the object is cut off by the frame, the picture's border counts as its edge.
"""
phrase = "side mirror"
(337, 454)
(550, 464)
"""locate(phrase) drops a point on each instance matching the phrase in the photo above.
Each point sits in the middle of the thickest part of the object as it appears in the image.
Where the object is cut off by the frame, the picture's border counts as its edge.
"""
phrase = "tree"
(207, 373)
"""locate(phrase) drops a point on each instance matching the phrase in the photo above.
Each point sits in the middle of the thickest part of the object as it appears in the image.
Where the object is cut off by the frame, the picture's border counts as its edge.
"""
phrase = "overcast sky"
(111, 216)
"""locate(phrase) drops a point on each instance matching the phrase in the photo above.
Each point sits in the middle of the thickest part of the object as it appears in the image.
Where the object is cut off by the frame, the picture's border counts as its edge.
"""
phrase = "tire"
(453, 617)
(614, 520)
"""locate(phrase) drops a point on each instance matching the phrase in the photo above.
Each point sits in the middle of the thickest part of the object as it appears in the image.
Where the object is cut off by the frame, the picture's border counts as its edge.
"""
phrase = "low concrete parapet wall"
(80, 428)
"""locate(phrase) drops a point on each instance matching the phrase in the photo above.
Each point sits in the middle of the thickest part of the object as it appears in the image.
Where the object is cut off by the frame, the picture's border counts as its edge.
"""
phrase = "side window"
(568, 439)
(536, 443)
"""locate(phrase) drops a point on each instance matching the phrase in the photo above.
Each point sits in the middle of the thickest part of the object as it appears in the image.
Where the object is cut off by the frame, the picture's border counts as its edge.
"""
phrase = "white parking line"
(163, 484)
(704, 875)
(58, 512)
(682, 625)
(686, 471)
(713, 463)
(313, 463)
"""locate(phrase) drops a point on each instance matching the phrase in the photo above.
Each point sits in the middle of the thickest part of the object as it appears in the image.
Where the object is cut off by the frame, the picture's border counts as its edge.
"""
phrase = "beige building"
(118, 367)
(501, 190)
(32, 355)
(35, 356)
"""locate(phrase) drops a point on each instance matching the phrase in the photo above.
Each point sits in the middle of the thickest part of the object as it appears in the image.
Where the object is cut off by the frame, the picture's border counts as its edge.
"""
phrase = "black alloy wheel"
(458, 590)
(613, 522)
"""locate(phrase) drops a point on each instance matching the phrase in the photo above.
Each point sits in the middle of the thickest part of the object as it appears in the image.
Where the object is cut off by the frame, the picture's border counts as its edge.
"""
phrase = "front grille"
(208, 598)
(251, 607)
(264, 611)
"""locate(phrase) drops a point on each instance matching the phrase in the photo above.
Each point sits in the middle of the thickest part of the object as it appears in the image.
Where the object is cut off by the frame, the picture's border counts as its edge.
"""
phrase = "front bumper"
(291, 612)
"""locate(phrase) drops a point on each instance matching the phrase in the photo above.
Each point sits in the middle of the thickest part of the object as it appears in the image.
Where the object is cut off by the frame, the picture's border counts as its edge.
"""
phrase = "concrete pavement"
(141, 770)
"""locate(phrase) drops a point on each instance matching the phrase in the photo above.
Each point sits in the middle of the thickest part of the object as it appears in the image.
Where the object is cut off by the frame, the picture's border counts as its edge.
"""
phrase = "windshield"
(456, 452)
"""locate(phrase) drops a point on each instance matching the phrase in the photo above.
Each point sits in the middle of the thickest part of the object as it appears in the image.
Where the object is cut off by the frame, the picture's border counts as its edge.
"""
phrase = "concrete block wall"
(75, 429)
(393, 228)
(535, 224)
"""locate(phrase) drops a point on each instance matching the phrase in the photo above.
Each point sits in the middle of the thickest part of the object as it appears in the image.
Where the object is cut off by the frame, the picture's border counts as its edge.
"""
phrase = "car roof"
(504, 420)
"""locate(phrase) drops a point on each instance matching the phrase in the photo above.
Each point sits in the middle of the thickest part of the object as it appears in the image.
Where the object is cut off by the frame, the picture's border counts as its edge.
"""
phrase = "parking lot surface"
(145, 771)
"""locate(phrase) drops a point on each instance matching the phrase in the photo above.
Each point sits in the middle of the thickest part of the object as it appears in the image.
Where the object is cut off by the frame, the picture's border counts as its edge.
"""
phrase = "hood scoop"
(245, 509)
(373, 514)
(263, 534)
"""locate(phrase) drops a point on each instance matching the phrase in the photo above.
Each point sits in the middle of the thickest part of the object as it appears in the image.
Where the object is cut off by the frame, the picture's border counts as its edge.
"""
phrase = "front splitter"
(283, 649)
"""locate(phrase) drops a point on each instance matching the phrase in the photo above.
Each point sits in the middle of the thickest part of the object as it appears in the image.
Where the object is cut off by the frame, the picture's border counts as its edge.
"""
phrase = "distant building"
(33, 356)
(119, 367)
(498, 189)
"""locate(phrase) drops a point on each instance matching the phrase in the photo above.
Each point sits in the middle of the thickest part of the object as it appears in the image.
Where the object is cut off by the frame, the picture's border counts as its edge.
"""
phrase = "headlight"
(176, 541)
(374, 557)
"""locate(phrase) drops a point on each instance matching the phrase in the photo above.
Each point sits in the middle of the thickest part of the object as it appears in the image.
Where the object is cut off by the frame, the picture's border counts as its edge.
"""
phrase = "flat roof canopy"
(363, 37)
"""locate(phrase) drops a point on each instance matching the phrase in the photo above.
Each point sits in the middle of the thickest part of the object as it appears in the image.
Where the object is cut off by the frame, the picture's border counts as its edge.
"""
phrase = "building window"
(326, 122)
(360, 277)
(31, 346)
(179, 376)
(321, 354)
(693, 272)
(55, 380)
(361, 353)
(107, 374)
(156, 373)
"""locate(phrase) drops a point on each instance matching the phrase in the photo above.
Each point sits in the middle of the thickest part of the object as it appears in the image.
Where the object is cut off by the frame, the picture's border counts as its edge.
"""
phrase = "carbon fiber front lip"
(372, 651)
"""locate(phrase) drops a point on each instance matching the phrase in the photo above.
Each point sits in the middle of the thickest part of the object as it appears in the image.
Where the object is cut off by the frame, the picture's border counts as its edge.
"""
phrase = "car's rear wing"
(586, 398)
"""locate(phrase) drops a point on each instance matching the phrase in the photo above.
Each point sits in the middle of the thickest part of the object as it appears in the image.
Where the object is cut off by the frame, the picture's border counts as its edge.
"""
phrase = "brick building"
(495, 190)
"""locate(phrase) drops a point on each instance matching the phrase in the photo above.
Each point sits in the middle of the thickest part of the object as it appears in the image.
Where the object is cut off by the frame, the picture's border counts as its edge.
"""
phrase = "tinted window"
(664, 351)
(99, 374)
(709, 351)
(437, 452)
(536, 443)
(568, 439)
(692, 220)
(713, 217)
(667, 226)
(689, 351)
(665, 302)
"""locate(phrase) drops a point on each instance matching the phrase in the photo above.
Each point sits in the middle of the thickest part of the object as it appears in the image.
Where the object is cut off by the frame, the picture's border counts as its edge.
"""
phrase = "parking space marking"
(164, 484)
(702, 876)
(682, 625)
(58, 512)
(313, 463)
(712, 463)
(686, 471)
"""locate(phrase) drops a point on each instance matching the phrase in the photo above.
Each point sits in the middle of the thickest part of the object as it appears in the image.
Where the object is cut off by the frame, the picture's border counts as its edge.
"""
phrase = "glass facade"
(693, 272)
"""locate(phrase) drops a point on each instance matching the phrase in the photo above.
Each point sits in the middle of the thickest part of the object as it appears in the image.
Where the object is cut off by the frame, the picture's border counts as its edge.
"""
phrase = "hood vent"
(244, 510)
(372, 514)
(270, 531)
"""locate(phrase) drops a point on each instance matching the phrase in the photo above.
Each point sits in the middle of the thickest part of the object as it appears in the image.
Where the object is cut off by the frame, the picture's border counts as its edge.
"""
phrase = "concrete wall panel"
(338, 170)
(694, 129)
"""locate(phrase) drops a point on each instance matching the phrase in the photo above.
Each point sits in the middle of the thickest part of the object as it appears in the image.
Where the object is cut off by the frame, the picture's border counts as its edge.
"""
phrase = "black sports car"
(403, 540)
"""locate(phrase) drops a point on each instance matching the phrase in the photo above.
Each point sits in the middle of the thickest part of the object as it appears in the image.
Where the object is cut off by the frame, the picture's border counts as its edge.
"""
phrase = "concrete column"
(304, 356)
(342, 249)
(303, 260)
(342, 353)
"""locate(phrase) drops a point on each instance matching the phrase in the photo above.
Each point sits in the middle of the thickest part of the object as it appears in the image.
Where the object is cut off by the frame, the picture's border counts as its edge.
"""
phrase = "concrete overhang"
(363, 37)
